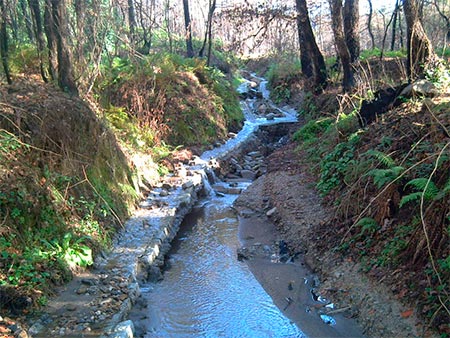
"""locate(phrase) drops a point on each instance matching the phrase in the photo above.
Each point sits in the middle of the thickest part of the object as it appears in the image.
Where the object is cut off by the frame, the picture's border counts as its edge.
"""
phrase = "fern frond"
(415, 196)
(385, 159)
(420, 183)
(367, 224)
(384, 176)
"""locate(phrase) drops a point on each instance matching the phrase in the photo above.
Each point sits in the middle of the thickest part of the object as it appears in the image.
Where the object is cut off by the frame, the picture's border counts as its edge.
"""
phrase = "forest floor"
(300, 219)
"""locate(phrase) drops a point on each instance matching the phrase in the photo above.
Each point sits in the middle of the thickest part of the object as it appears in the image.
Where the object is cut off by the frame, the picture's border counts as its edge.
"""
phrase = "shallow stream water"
(206, 291)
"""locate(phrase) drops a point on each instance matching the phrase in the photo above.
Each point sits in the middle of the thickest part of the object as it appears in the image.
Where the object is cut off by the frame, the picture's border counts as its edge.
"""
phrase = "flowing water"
(206, 291)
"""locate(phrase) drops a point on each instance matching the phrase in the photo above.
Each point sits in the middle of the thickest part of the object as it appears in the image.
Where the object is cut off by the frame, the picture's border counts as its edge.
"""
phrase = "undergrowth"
(390, 186)
(63, 195)
(165, 98)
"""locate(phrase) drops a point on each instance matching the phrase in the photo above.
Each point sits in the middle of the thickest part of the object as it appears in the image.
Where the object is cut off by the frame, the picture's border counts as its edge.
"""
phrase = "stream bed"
(206, 291)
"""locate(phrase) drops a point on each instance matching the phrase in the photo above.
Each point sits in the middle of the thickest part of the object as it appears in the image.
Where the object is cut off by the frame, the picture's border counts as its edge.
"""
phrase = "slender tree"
(341, 45)
(313, 64)
(4, 41)
(188, 27)
(351, 28)
(66, 79)
(369, 24)
(49, 29)
(38, 32)
(446, 19)
(395, 15)
(132, 20)
(420, 51)
(27, 19)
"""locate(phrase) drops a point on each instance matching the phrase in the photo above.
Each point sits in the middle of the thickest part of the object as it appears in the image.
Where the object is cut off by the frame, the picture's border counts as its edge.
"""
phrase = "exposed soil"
(301, 220)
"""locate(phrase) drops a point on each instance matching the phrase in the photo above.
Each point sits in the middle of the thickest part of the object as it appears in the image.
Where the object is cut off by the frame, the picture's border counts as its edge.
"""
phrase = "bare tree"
(313, 64)
(341, 45)
(446, 19)
(420, 51)
(395, 16)
(351, 28)
(369, 24)
(208, 32)
(188, 26)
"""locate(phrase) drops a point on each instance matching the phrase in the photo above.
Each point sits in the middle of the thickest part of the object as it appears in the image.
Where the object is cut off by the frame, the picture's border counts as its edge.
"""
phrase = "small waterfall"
(263, 89)
(207, 175)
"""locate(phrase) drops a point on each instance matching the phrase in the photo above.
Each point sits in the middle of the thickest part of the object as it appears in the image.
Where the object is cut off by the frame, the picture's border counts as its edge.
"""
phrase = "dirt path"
(286, 191)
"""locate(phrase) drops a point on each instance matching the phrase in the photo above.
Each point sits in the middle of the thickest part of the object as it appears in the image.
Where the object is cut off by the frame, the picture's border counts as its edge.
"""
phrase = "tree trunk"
(208, 31)
(37, 24)
(188, 27)
(420, 51)
(80, 11)
(167, 24)
(369, 24)
(339, 37)
(400, 28)
(210, 41)
(394, 24)
(4, 42)
(351, 28)
(131, 20)
(27, 19)
(49, 29)
(386, 29)
(446, 19)
(313, 64)
(66, 80)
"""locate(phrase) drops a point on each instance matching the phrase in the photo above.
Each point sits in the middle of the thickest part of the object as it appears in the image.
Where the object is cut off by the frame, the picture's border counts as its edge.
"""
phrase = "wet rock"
(270, 116)
(271, 212)
(89, 281)
(262, 109)
(243, 254)
(123, 330)
(234, 191)
(187, 185)
(164, 193)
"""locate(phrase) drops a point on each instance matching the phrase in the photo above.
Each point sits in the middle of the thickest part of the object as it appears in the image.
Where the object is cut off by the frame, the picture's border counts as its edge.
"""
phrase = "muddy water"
(206, 291)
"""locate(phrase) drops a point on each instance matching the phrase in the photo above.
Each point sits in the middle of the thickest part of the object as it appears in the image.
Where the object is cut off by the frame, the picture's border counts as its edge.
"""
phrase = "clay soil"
(301, 220)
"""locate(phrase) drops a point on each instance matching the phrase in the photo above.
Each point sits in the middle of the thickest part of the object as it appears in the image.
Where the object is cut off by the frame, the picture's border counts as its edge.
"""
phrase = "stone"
(82, 290)
(262, 108)
(234, 191)
(187, 185)
(271, 212)
(248, 174)
(166, 186)
(270, 116)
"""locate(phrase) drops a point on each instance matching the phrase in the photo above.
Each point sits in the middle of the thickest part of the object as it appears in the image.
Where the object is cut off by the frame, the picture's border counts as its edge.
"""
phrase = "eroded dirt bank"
(287, 193)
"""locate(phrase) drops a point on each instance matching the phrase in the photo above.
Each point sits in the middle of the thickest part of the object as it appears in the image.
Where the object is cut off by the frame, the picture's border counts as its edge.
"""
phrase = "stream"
(205, 291)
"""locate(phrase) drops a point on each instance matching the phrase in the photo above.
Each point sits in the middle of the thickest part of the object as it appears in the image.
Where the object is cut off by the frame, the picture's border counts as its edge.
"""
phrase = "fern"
(384, 176)
(419, 184)
(367, 224)
(444, 191)
(386, 160)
